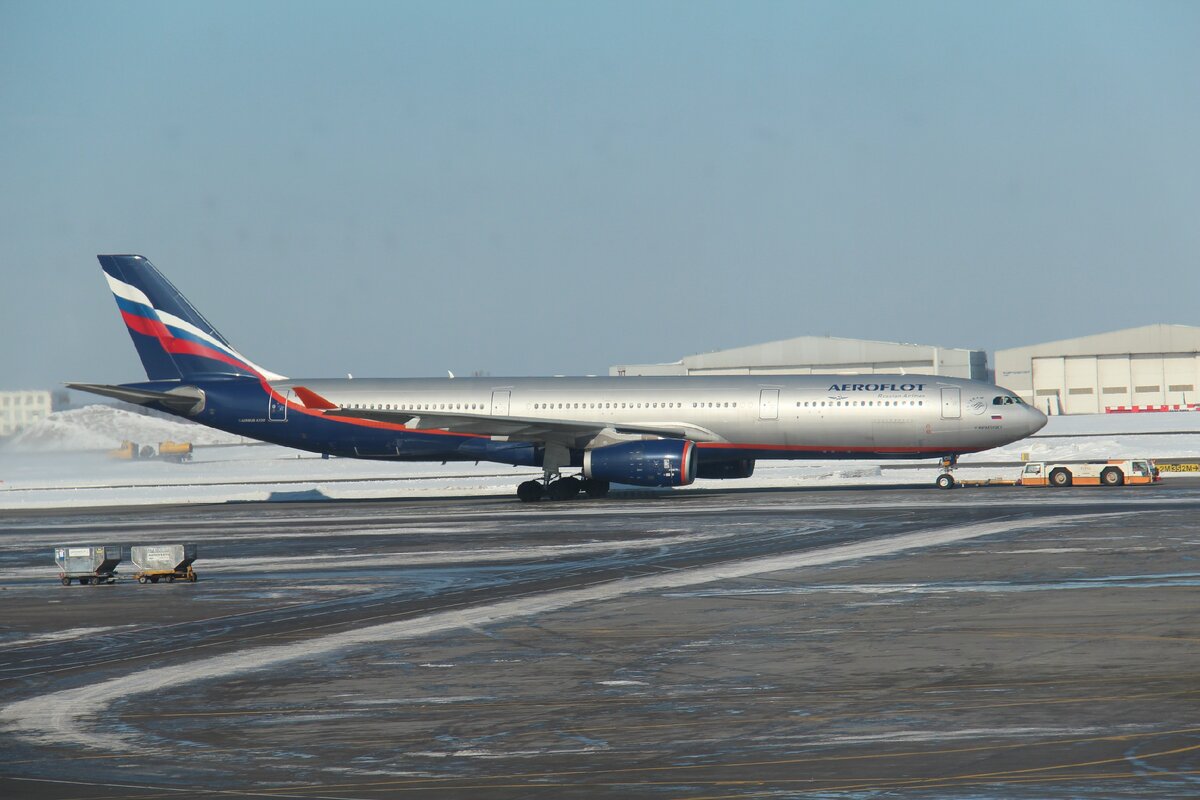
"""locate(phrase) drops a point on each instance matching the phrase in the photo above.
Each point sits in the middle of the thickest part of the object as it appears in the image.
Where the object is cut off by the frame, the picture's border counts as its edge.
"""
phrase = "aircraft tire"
(530, 492)
(945, 481)
(595, 489)
(563, 489)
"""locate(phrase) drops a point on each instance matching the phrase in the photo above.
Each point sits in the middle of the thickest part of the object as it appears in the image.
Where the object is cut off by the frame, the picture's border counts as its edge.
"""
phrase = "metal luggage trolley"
(90, 565)
(157, 561)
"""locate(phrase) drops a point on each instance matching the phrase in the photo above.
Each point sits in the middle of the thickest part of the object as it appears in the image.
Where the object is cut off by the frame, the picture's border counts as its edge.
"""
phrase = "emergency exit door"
(951, 403)
(500, 403)
(768, 404)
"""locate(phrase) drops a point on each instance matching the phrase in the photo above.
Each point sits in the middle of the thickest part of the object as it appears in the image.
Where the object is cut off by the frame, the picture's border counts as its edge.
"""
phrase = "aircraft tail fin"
(173, 339)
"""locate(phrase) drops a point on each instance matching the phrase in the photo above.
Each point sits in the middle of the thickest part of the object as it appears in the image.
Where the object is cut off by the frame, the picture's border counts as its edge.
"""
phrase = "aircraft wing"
(572, 433)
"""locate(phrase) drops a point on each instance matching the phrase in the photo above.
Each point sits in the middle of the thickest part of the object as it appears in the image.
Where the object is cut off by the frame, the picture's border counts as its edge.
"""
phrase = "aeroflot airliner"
(641, 431)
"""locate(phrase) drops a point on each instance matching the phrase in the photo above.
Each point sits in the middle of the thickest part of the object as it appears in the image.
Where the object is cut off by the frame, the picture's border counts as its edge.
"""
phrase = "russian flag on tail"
(173, 339)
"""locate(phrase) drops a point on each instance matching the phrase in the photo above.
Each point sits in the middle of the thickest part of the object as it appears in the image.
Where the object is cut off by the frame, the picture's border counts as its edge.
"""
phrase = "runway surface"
(980, 643)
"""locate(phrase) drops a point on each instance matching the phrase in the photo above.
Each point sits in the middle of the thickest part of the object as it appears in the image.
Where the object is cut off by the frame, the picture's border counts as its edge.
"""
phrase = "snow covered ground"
(62, 462)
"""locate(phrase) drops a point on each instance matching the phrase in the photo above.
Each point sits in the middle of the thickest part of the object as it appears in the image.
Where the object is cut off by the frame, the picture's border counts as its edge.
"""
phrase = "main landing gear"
(946, 480)
(559, 488)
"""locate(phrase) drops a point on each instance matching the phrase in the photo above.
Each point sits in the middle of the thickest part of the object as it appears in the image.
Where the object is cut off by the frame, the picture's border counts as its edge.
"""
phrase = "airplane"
(642, 431)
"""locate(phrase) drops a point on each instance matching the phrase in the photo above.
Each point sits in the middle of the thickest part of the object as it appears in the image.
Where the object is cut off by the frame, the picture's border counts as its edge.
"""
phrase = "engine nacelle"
(652, 462)
(736, 468)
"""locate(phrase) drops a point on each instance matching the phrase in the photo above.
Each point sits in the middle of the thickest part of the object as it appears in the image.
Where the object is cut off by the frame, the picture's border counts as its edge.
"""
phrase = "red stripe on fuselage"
(358, 421)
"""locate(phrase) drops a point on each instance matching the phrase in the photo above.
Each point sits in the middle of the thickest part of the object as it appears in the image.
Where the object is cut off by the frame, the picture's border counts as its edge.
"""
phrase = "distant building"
(19, 410)
(823, 355)
(1154, 367)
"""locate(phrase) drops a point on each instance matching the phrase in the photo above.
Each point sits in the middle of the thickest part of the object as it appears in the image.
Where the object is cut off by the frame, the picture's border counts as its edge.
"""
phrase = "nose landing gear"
(946, 479)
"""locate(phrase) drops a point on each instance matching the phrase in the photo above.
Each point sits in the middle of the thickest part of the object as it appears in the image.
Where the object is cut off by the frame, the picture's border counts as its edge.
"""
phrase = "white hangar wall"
(823, 355)
(1150, 367)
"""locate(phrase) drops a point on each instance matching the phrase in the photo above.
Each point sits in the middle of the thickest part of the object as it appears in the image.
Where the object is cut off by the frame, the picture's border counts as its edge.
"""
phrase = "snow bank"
(61, 463)
(100, 427)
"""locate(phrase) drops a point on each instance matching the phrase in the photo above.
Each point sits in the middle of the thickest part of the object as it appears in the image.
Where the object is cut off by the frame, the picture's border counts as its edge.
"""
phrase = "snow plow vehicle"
(1114, 472)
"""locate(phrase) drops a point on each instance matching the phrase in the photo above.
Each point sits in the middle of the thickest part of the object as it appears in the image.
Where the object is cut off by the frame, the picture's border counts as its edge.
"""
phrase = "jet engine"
(652, 462)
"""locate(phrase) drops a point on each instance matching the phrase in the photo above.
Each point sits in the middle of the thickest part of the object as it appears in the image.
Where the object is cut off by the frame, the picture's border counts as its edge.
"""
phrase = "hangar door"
(1180, 373)
(1079, 374)
(1049, 384)
(1112, 373)
(1146, 374)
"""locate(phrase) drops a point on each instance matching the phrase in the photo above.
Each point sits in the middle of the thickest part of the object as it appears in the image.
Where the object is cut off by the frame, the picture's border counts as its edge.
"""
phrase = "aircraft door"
(951, 403)
(768, 404)
(500, 403)
(277, 410)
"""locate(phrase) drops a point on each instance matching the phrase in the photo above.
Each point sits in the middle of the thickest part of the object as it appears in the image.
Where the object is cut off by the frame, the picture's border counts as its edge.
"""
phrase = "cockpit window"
(1004, 400)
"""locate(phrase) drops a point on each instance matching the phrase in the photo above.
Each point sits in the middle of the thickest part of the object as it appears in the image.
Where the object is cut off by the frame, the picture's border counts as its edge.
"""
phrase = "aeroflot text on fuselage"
(877, 387)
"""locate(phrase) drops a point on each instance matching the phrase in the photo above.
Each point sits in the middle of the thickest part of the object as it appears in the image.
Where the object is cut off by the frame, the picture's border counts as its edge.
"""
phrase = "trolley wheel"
(170, 579)
(193, 577)
(141, 579)
(66, 581)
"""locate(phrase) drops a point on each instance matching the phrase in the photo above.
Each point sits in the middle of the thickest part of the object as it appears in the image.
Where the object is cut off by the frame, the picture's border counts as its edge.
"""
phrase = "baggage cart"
(156, 562)
(90, 565)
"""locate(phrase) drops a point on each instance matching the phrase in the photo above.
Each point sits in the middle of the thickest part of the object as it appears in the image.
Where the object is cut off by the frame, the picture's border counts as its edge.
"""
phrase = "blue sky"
(398, 189)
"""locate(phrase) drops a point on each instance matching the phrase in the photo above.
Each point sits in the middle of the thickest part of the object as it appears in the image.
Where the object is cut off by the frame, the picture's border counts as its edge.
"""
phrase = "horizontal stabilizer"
(185, 400)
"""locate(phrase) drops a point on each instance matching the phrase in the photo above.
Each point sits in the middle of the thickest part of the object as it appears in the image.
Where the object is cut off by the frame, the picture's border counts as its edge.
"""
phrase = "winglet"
(311, 399)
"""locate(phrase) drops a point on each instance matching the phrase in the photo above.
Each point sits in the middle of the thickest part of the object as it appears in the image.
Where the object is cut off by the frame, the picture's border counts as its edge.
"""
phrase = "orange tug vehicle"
(1114, 472)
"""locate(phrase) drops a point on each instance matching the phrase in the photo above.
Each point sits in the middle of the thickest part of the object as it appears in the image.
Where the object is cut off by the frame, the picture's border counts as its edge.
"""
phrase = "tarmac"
(995, 642)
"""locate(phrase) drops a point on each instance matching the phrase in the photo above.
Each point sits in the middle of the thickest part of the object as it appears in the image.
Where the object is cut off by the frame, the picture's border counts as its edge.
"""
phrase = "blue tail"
(173, 339)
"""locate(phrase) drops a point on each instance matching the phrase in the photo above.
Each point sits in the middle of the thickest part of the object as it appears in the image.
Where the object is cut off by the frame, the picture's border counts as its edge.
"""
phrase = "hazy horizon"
(532, 188)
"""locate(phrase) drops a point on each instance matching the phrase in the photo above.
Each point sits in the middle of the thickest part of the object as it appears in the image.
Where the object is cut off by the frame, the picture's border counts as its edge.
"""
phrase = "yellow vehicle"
(1114, 472)
(167, 451)
(129, 451)
(175, 451)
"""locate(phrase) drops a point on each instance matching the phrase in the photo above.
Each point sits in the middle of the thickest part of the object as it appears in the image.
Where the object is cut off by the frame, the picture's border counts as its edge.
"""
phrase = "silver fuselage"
(792, 416)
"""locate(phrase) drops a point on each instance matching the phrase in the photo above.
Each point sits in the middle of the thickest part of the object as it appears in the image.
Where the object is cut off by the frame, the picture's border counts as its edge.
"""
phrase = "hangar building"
(822, 355)
(1155, 367)
(19, 410)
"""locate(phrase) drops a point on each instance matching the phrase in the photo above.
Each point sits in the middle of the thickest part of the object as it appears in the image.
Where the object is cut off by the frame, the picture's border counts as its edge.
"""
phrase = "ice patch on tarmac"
(1017, 732)
(62, 636)
(294, 564)
(1170, 580)
(60, 716)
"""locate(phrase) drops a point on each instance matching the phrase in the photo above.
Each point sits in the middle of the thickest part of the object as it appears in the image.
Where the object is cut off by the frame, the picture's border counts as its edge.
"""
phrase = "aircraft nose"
(1036, 420)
